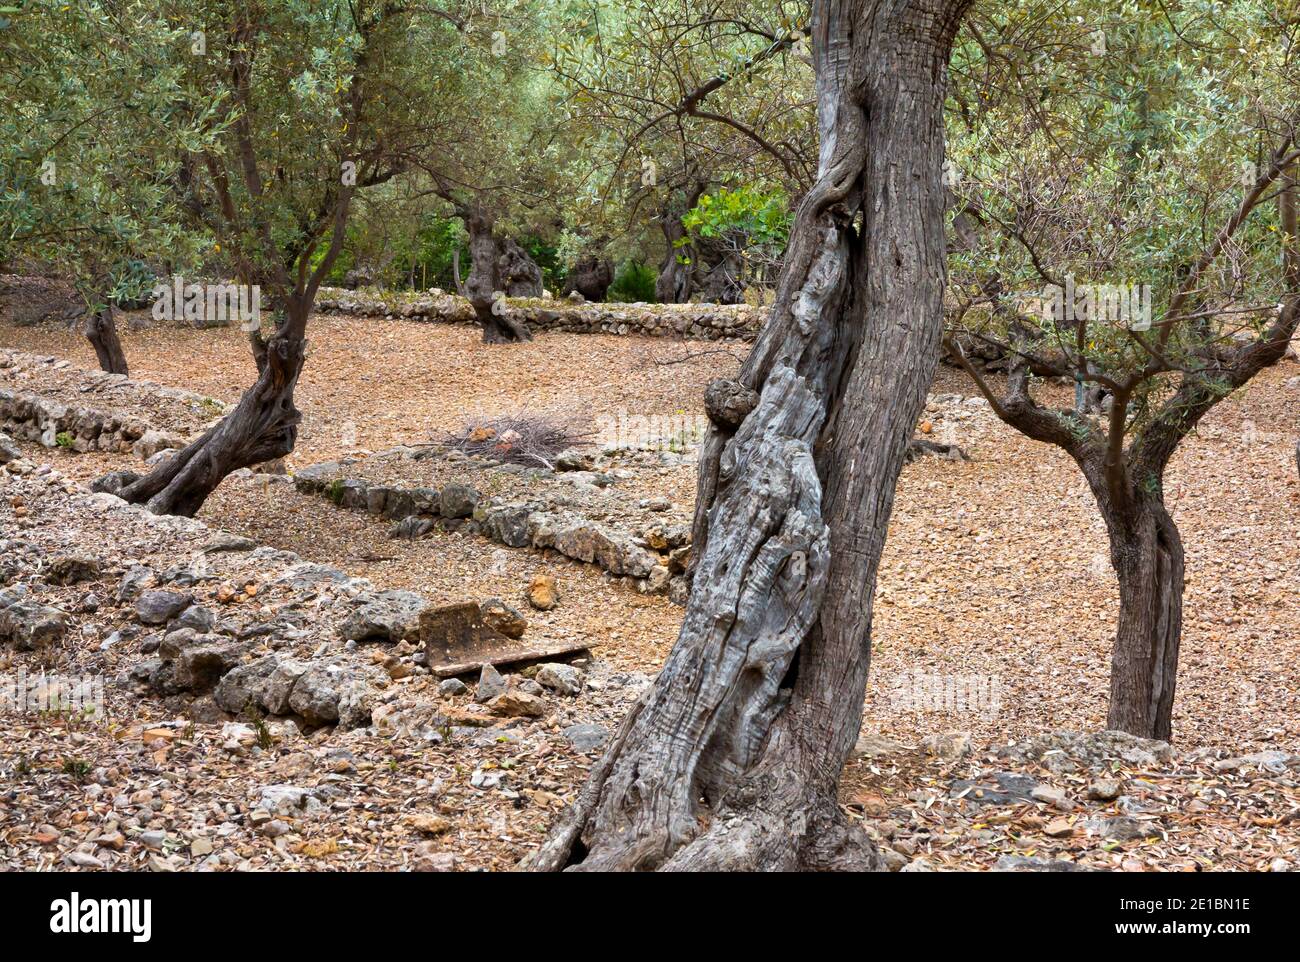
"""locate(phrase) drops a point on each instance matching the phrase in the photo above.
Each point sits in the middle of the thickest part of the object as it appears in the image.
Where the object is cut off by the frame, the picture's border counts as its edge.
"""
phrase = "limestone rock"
(490, 684)
(517, 704)
(542, 593)
(389, 616)
(562, 678)
(158, 606)
(501, 617)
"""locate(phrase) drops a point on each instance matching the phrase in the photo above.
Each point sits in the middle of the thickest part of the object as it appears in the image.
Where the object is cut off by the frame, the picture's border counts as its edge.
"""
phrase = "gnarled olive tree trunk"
(1144, 666)
(494, 269)
(101, 331)
(676, 273)
(263, 427)
(590, 277)
(732, 759)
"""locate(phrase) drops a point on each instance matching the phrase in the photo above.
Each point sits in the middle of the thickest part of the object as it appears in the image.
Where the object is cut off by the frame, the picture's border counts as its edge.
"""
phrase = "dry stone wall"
(710, 322)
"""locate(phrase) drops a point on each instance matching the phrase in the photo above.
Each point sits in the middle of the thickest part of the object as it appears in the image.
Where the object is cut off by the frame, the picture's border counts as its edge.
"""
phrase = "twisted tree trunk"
(485, 287)
(732, 759)
(590, 277)
(263, 427)
(101, 331)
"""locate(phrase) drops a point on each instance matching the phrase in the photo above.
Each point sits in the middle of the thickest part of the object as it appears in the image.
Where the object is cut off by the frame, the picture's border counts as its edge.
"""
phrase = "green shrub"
(634, 282)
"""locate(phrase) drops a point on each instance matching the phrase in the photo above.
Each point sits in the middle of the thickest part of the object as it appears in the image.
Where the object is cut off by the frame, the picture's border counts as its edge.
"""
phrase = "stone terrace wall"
(709, 322)
(52, 402)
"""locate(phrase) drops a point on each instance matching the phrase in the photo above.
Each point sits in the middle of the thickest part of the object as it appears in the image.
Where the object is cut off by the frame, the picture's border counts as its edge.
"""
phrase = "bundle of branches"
(523, 438)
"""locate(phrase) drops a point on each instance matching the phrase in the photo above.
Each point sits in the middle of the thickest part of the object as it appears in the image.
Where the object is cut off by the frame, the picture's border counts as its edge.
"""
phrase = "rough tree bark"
(1147, 555)
(101, 331)
(732, 759)
(485, 281)
(590, 277)
(263, 427)
(723, 282)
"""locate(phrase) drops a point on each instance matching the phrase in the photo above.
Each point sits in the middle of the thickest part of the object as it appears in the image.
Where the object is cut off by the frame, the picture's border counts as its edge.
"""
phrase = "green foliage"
(77, 768)
(1108, 143)
(64, 440)
(131, 283)
(761, 219)
(92, 126)
(634, 282)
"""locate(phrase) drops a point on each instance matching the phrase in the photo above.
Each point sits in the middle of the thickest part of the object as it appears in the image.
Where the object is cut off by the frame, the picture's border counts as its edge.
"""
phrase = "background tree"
(1112, 167)
(676, 97)
(315, 100)
(91, 129)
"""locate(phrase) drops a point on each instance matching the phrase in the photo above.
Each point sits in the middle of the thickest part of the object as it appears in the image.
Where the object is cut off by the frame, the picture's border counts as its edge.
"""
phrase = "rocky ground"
(995, 584)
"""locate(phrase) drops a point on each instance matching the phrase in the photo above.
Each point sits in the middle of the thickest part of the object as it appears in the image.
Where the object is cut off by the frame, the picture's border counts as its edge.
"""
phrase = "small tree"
(88, 172)
(1092, 202)
(317, 100)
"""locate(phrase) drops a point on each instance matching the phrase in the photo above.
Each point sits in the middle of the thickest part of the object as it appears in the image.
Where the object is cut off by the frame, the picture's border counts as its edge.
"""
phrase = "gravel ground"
(995, 573)
(370, 384)
(996, 567)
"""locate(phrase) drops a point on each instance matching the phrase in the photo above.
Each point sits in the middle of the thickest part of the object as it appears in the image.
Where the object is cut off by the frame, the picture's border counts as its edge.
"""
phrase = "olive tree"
(1127, 241)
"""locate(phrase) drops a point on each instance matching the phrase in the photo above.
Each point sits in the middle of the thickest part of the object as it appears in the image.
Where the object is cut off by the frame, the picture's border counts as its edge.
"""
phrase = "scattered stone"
(501, 617)
(29, 625)
(71, 569)
(542, 593)
(133, 582)
(1021, 863)
(517, 704)
(565, 679)
(287, 799)
(1105, 790)
(872, 745)
(1124, 828)
(428, 861)
(1051, 796)
(490, 685)
(156, 606)
(1059, 828)
(429, 824)
(198, 618)
(586, 738)
(949, 745)
(1009, 788)
(225, 541)
(325, 694)
(83, 860)
(1275, 761)
(389, 616)
(452, 686)
(1066, 752)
